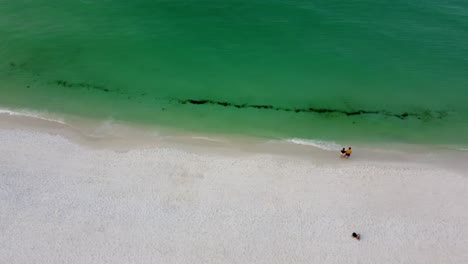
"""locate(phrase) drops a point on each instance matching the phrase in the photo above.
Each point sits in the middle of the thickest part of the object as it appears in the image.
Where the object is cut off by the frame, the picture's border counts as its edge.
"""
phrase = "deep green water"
(333, 70)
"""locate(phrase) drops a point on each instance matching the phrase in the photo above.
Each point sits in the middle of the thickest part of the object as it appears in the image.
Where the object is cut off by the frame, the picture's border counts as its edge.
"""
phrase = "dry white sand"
(66, 201)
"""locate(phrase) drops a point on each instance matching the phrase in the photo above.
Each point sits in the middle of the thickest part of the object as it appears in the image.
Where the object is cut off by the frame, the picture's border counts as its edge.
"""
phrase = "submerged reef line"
(402, 116)
(421, 115)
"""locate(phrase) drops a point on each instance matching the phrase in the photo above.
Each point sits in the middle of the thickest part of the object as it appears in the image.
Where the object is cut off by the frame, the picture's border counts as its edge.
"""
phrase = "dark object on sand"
(357, 236)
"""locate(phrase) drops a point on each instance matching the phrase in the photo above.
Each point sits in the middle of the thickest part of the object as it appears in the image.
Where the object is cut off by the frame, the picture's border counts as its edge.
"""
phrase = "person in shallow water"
(357, 236)
(348, 152)
(343, 152)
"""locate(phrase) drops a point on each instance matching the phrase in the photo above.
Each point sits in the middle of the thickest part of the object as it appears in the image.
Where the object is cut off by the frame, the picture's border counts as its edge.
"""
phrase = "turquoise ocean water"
(380, 71)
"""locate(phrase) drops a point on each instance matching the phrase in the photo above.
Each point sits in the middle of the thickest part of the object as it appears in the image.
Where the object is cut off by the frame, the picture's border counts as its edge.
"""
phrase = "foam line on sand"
(33, 114)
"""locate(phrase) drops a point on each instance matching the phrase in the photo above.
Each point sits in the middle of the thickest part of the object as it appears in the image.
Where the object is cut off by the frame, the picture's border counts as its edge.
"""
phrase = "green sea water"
(380, 71)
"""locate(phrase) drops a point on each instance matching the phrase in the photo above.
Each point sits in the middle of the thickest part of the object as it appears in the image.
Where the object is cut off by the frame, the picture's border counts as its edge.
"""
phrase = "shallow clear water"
(332, 70)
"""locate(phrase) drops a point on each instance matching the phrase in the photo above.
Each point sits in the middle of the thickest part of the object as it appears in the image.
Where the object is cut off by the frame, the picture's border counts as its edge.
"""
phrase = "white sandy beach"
(71, 197)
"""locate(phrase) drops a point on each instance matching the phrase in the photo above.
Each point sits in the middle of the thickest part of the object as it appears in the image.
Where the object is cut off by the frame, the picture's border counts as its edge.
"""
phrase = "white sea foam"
(105, 128)
(207, 139)
(34, 114)
(325, 145)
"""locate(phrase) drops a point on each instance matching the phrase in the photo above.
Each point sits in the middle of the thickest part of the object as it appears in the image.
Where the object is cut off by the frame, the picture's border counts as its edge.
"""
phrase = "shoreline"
(97, 127)
(123, 136)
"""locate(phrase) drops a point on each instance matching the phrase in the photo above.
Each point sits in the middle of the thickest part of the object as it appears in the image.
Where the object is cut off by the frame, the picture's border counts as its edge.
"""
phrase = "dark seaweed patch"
(403, 116)
(63, 83)
(442, 114)
(81, 85)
